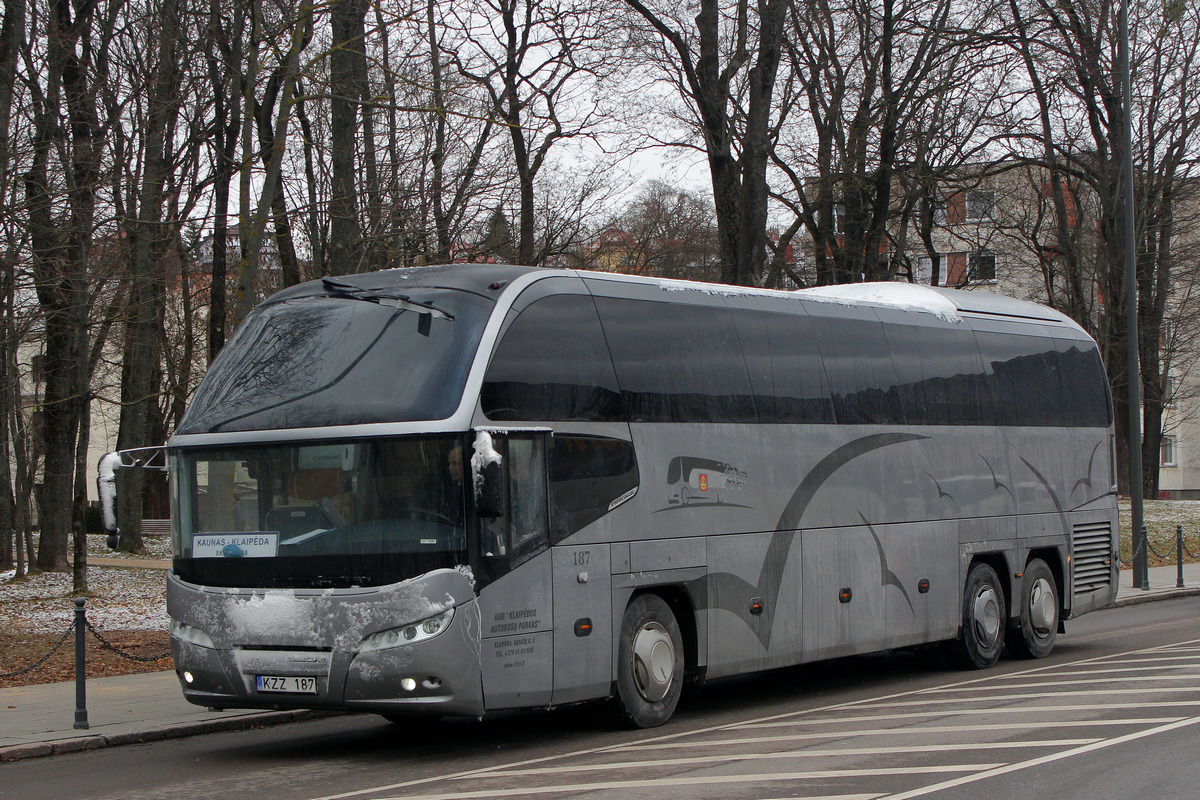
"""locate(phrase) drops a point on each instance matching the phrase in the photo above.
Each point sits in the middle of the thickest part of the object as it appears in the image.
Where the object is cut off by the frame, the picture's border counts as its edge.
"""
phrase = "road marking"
(1082, 672)
(1080, 693)
(696, 780)
(1155, 659)
(1037, 762)
(664, 741)
(829, 752)
(1158, 679)
(958, 712)
(998, 726)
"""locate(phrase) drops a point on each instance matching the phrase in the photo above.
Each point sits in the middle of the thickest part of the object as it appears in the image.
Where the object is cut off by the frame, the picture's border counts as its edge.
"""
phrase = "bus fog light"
(409, 634)
(188, 677)
(408, 684)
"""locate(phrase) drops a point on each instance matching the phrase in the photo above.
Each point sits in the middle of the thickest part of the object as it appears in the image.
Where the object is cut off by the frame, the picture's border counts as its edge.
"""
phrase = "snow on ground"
(121, 598)
(156, 547)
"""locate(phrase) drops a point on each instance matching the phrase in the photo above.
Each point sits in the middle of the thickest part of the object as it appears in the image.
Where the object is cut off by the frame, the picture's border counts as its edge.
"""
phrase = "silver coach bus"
(451, 490)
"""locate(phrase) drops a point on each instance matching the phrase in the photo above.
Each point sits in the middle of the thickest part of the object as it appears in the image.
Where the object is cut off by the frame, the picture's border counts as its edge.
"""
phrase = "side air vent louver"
(1091, 551)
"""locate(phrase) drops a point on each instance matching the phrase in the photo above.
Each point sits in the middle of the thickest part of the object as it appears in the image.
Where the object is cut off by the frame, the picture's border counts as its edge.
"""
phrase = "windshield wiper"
(402, 301)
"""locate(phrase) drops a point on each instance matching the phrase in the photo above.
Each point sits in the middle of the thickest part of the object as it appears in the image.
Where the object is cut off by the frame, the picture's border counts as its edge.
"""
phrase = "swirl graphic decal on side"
(729, 589)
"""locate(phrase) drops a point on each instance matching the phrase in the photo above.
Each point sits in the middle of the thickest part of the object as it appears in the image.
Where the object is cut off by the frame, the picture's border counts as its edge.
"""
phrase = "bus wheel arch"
(1039, 612)
(650, 661)
(984, 617)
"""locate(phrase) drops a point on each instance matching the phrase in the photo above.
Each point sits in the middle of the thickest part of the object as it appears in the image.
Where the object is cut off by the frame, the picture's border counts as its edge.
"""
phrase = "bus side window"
(527, 522)
(588, 474)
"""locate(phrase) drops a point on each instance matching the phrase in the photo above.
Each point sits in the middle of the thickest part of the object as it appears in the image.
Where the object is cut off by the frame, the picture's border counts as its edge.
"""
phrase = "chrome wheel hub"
(653, 661)
(1043, 611)
(986, 615)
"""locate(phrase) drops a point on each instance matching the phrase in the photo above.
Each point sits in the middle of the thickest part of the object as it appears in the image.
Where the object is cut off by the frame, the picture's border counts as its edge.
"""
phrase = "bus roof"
(947, 304)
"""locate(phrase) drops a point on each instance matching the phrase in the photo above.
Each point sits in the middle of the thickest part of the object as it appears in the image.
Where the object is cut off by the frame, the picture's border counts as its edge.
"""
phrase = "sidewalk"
(39, 720)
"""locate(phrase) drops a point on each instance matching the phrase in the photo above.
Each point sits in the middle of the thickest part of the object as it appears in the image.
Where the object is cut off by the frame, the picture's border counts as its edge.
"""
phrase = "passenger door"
(516, 606)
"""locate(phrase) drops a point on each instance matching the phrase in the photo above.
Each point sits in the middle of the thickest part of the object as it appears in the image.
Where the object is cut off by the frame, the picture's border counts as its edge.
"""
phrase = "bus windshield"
(320, 515)
(329, 359)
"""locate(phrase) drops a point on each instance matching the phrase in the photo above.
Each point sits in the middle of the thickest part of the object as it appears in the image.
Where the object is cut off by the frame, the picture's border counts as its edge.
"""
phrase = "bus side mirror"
(489, 492)
(106, 488)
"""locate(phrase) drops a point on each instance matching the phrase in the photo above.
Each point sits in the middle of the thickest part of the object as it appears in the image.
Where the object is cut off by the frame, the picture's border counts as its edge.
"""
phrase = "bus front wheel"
(1034, 636)
(650, 662)
(983, 614)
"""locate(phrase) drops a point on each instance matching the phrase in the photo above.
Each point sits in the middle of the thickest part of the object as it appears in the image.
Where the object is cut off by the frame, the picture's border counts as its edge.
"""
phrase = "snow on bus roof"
(715, 289)
(893, 294)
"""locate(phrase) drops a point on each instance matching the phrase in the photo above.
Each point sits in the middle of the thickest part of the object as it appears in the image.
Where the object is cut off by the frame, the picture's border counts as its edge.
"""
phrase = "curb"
(85, 742)
(1152, 595)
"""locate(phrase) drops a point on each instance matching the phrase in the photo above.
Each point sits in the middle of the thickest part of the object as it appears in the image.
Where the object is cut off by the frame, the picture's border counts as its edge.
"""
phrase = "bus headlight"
(408, 634)
(187, 633)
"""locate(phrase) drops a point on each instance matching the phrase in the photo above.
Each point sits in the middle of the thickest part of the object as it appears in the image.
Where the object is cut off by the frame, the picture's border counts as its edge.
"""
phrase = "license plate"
(286, 683)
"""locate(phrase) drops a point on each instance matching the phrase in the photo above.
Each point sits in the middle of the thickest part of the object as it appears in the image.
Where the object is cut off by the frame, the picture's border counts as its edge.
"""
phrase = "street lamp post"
(1141, 563)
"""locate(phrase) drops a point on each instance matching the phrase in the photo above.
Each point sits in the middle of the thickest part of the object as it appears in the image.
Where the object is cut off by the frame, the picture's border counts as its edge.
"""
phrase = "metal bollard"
(81, 717)
(1179, 554)
(1142, 577)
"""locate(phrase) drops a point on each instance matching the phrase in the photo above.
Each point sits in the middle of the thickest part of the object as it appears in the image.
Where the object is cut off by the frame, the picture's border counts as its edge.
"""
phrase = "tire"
(983, 619)
(650, 664)
(1037, 630)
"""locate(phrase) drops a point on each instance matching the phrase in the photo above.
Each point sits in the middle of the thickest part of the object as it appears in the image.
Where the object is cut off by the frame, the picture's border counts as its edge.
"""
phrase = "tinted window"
(1024, 380)
(859, 368)
(552, 364)
(677, 363)
(939, 375)
(784, 366)
(1085, 384)
(587, 475)
(319, 361)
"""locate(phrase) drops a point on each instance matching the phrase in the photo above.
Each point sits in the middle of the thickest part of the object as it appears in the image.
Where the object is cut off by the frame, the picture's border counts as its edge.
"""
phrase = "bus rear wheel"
(983, 613)
(1034, 636)
(650, 662)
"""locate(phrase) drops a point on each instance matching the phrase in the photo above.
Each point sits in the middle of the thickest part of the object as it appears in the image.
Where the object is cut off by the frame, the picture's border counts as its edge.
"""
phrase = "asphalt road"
(1113, 713)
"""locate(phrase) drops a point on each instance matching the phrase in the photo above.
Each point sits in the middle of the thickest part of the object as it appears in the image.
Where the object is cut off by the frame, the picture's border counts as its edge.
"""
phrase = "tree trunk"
(140, 387)
(345, 240)
(60, 258)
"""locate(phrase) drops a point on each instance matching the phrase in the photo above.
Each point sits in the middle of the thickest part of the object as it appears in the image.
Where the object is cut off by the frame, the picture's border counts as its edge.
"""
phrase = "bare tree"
(725, 68)
(151, 234)
(67, 125)
(539, 64)
(667, 232)
(252, 227)
(1081, 121)
(12, 30)
(894, 98)
(346, 73)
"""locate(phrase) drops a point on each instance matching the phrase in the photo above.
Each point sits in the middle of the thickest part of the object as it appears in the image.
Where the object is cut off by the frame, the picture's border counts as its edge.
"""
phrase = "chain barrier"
(62, 639)
(105, 643)
(1189, 553)
(1137, 551)
(1150, 545)
(1180, 543)
(110, 646)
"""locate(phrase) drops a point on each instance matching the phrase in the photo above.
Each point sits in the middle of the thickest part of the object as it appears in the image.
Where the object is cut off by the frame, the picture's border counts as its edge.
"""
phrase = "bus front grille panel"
(1091, 553)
